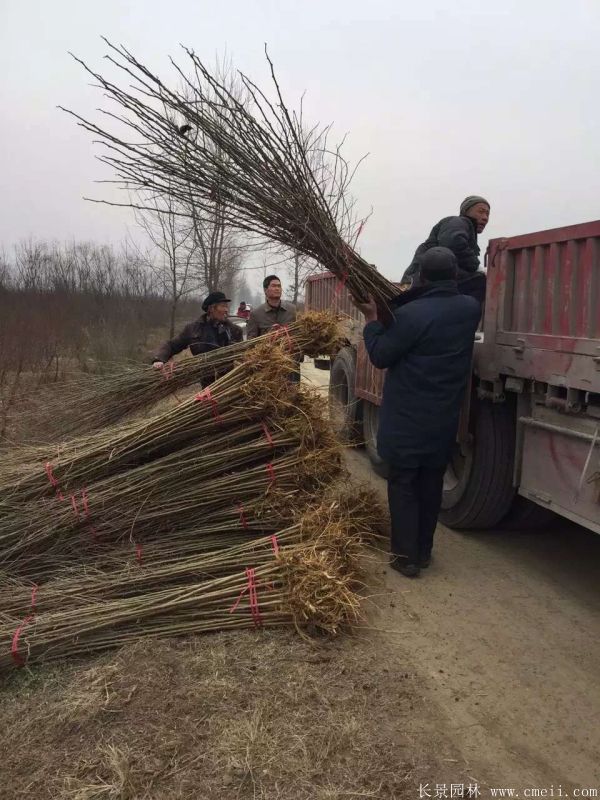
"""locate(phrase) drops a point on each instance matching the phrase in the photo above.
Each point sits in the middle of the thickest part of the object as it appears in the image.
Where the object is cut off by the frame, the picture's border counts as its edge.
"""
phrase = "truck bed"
(542, 315)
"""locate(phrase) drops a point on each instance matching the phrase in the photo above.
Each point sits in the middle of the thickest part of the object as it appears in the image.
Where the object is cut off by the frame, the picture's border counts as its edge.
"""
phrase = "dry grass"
(244, 715)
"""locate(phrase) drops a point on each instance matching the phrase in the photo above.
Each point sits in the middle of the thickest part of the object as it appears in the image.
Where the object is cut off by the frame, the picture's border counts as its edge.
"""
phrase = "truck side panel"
(542, 317)
(325, 292)
(553, 472)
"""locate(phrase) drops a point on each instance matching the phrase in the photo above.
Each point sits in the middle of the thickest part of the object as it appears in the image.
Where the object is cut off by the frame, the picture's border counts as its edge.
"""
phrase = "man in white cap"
(458, 234)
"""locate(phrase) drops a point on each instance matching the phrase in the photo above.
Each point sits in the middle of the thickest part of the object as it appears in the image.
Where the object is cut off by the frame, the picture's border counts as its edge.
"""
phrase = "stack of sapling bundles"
(212, 515)
(244, 394)
(251, 434)
(308, 574)
(89, 402)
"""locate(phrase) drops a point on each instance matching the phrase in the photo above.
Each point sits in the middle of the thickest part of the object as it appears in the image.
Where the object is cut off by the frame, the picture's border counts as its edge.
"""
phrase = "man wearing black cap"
(210, 331)
(427, 353)
(458, 234)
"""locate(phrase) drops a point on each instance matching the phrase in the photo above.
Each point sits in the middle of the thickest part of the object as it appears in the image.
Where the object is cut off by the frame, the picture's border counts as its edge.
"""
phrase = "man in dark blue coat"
(427, 352)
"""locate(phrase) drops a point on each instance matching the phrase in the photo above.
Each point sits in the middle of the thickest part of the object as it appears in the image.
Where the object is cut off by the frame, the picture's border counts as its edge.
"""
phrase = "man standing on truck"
(427, 352)
(210, 331)
(458, 234)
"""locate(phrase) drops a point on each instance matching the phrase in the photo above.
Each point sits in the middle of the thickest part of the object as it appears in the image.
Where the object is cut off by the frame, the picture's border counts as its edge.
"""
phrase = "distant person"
(272, 312)
(210, 331)
(427, 352)
(243, 311)
(458, 234)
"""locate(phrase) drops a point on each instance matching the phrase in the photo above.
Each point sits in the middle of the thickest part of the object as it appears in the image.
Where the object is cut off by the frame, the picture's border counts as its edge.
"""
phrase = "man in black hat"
(427, 352)
(210, 331)
(458, 234)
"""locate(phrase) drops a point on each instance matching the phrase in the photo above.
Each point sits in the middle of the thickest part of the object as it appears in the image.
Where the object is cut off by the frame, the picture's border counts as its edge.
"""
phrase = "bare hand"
(157, 364)
(369, 309)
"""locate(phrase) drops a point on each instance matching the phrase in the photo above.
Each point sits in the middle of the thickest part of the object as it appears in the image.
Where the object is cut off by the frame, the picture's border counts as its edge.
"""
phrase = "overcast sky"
(499, 98)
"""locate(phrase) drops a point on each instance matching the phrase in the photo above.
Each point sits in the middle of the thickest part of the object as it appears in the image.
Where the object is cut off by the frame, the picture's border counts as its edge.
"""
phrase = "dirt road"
(481, 673)
(504, 630)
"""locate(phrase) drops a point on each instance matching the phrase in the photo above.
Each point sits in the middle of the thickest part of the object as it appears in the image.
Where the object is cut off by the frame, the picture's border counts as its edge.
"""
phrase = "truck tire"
(478, 485)
(525, 515)
(344, 406)
(370, 428)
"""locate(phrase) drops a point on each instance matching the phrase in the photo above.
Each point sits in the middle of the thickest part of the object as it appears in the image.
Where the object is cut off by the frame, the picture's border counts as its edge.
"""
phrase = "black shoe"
(401, 565)
(425, 562)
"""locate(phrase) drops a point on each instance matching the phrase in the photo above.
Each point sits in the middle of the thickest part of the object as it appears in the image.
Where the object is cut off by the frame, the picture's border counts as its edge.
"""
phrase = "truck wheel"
(344, 406)
(527, 516)
(370, 428)
(478, 490)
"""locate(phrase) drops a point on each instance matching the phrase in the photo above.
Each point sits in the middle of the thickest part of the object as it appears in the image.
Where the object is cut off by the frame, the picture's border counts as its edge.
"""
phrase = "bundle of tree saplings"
(276, 174)
(256, 387)
(295, 454)
(232, 525)
(88, 402)
(307, 574)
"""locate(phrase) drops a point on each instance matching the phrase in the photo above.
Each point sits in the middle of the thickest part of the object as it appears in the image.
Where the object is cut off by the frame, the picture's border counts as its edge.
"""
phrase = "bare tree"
(219, 248)
(175, 253)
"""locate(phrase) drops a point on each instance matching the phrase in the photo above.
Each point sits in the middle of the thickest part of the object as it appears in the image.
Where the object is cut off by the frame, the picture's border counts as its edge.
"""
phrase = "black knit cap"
(214, 298)
(471, 201)
(438, 264)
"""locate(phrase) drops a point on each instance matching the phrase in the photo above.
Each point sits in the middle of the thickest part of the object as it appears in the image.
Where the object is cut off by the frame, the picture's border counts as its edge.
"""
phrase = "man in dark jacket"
(458, 234)
(427, 352)
(272, 312)
(210, 331)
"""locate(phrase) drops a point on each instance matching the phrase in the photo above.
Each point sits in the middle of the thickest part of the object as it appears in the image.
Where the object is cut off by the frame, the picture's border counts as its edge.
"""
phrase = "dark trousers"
(415, 497)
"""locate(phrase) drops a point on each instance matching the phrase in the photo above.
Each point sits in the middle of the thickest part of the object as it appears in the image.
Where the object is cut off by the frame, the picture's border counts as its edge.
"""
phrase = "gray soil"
(484, 670)
(504, 629)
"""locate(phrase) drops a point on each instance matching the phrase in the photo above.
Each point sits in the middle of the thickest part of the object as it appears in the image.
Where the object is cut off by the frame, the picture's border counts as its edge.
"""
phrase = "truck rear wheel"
(344, 406)
(526, 516)
(478, 485)
(370, 428)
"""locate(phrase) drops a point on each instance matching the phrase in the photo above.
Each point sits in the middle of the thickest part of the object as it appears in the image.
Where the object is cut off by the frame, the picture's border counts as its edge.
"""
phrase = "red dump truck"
(529, 437)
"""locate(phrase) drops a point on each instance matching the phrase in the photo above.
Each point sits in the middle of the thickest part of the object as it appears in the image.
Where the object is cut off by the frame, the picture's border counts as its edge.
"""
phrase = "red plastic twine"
(14, 649)
(34, 591)
(267, 433)
(271, 471)
(243, 519)
(275, 545)
(340, 285)
(86, 512)
(206, 396)
(74, 506)
(50, 474)
(253, 596)
(167, 370)
(251, 588)
(53, 480)
(138, 553)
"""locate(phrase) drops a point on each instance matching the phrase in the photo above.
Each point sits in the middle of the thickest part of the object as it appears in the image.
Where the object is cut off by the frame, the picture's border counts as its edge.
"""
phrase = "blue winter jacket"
(427, 352)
